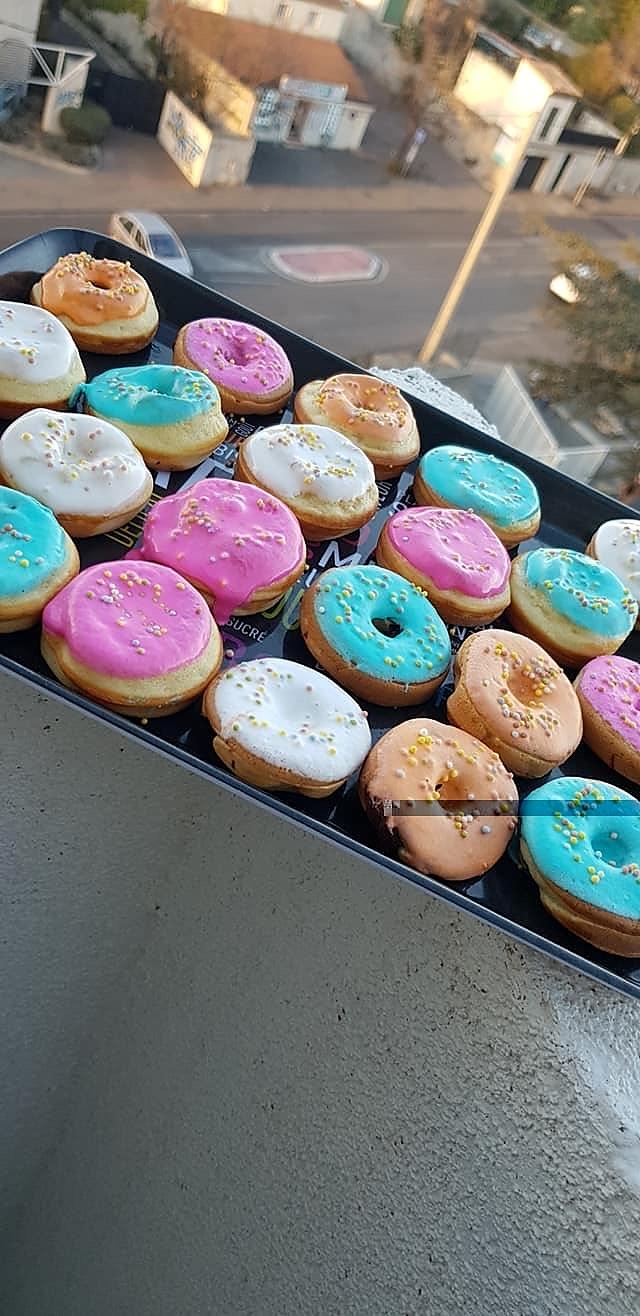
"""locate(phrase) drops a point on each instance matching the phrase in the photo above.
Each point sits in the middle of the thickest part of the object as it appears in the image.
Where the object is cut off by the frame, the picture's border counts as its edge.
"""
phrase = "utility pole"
(506, 178)
(582, 190)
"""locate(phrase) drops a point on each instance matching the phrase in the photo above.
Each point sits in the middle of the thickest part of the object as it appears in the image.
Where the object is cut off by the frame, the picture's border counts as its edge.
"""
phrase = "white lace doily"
(431, 390)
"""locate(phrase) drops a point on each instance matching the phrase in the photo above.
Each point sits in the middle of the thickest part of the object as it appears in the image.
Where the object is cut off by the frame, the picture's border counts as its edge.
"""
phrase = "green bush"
(624, 111)
(87, 125)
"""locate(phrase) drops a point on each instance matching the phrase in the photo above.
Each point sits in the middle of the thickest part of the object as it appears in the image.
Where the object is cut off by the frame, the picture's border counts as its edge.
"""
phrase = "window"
(547, 123)
(284, 14)
(126, 224)
(163, 245)
(313, 20)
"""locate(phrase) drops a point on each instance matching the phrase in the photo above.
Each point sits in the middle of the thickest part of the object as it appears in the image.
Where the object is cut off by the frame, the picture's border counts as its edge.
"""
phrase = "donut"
(512, 696)
(37, 558)
(252, 372)
(241, 547)
(87, 472)
(370, 412)
(455, 556)
(376, 634)
(439, 799)
(609, 694)
(280, 726)
(580, 840)
(324, 478)
(105, 305)
(500, 493)
(39, 361)
(173, 416)
(617, 546)
(575, 607)
(140, 642)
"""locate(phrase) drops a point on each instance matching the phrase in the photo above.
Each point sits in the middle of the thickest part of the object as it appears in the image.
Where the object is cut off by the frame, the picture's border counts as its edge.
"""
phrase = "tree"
(440, 39)
(625, 42)
(596, 72)
(603, 325)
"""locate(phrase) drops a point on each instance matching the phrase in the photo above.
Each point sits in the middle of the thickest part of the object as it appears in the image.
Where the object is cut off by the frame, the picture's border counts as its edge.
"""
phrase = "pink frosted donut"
(241, 547)
(140, 640)
(454, 556)
(250, 370)
(609, 693)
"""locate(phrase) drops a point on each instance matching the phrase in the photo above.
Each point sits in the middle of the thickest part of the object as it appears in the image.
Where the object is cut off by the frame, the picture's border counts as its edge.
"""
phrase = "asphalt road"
(500, 318)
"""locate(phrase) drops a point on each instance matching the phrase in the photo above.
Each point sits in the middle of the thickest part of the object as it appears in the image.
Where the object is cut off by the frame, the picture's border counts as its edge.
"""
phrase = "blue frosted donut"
(450, 476)
(575, 607)
(149, 395)
(37, 558)
(580, 840)
(376, 633)
(174, 416)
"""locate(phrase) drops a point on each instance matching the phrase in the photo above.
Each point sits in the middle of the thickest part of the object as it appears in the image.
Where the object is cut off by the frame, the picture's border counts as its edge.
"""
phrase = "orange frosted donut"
(442, 801)
(512, 696)
(105, 305)
(369, 411)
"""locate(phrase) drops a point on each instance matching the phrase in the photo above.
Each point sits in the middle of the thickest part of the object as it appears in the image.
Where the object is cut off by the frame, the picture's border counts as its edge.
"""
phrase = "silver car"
(151, 234)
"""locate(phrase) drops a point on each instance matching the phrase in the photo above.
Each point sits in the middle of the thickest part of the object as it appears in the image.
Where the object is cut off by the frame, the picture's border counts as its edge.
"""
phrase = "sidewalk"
(137, 173)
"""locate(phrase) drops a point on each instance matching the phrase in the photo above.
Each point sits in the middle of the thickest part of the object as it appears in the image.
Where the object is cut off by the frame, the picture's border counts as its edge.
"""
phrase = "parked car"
(564, 286)
(153, 235)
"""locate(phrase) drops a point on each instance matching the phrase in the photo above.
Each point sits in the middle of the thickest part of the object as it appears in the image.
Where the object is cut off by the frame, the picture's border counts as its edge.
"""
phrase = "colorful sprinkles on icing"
(90, 291)
(611, 686)
(584, 836)
(308, 461)
(584, 591)
(32, 544)
(237, 356)
(75, 464)
(149, 395)
(230, 538)
(479, 482)
(293, 718)
(34, 346)
(454, 549)
(347, 603)
(617, 546)
(127, 623)
(364, 406)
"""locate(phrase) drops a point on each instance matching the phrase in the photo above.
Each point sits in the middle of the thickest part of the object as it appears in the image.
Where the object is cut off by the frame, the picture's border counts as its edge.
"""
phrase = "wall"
(483, 86)
(527, 96)
(579, 169)
(351, 128)
(328, 21)
(19, 19)
(624, 178)
(372, 47)
(244, 1074)
(229, 161)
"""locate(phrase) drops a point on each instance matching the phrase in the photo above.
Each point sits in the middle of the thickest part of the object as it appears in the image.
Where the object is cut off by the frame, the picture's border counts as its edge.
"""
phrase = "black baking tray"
(505, 897)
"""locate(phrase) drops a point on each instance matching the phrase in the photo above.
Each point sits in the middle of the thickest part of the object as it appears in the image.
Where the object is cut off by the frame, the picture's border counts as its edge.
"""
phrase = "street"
(501, 316)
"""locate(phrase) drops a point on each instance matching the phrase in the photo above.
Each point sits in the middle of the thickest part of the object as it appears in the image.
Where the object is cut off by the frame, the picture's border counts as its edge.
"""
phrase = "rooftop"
(558, 80)
(259, 55)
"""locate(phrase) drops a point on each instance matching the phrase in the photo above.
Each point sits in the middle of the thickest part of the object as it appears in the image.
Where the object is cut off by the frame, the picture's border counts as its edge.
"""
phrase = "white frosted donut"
(617, 545)
(39, 361)
(282, 726)
(326, 480)
(87, 471)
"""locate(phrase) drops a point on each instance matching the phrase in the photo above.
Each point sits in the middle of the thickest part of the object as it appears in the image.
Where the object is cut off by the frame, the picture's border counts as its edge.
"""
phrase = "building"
(19, 20)
(393, 12)
(505, 88)
(290, 88)
(313, 18)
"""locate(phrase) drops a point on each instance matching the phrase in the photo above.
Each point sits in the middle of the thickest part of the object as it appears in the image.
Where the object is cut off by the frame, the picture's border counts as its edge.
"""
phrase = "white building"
(278, 87)
(19, 20)
(312, 18)
(506, 88)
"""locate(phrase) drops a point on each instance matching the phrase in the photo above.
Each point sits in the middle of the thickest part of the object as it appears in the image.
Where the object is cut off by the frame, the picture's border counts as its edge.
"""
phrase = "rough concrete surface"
(244, 1074)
